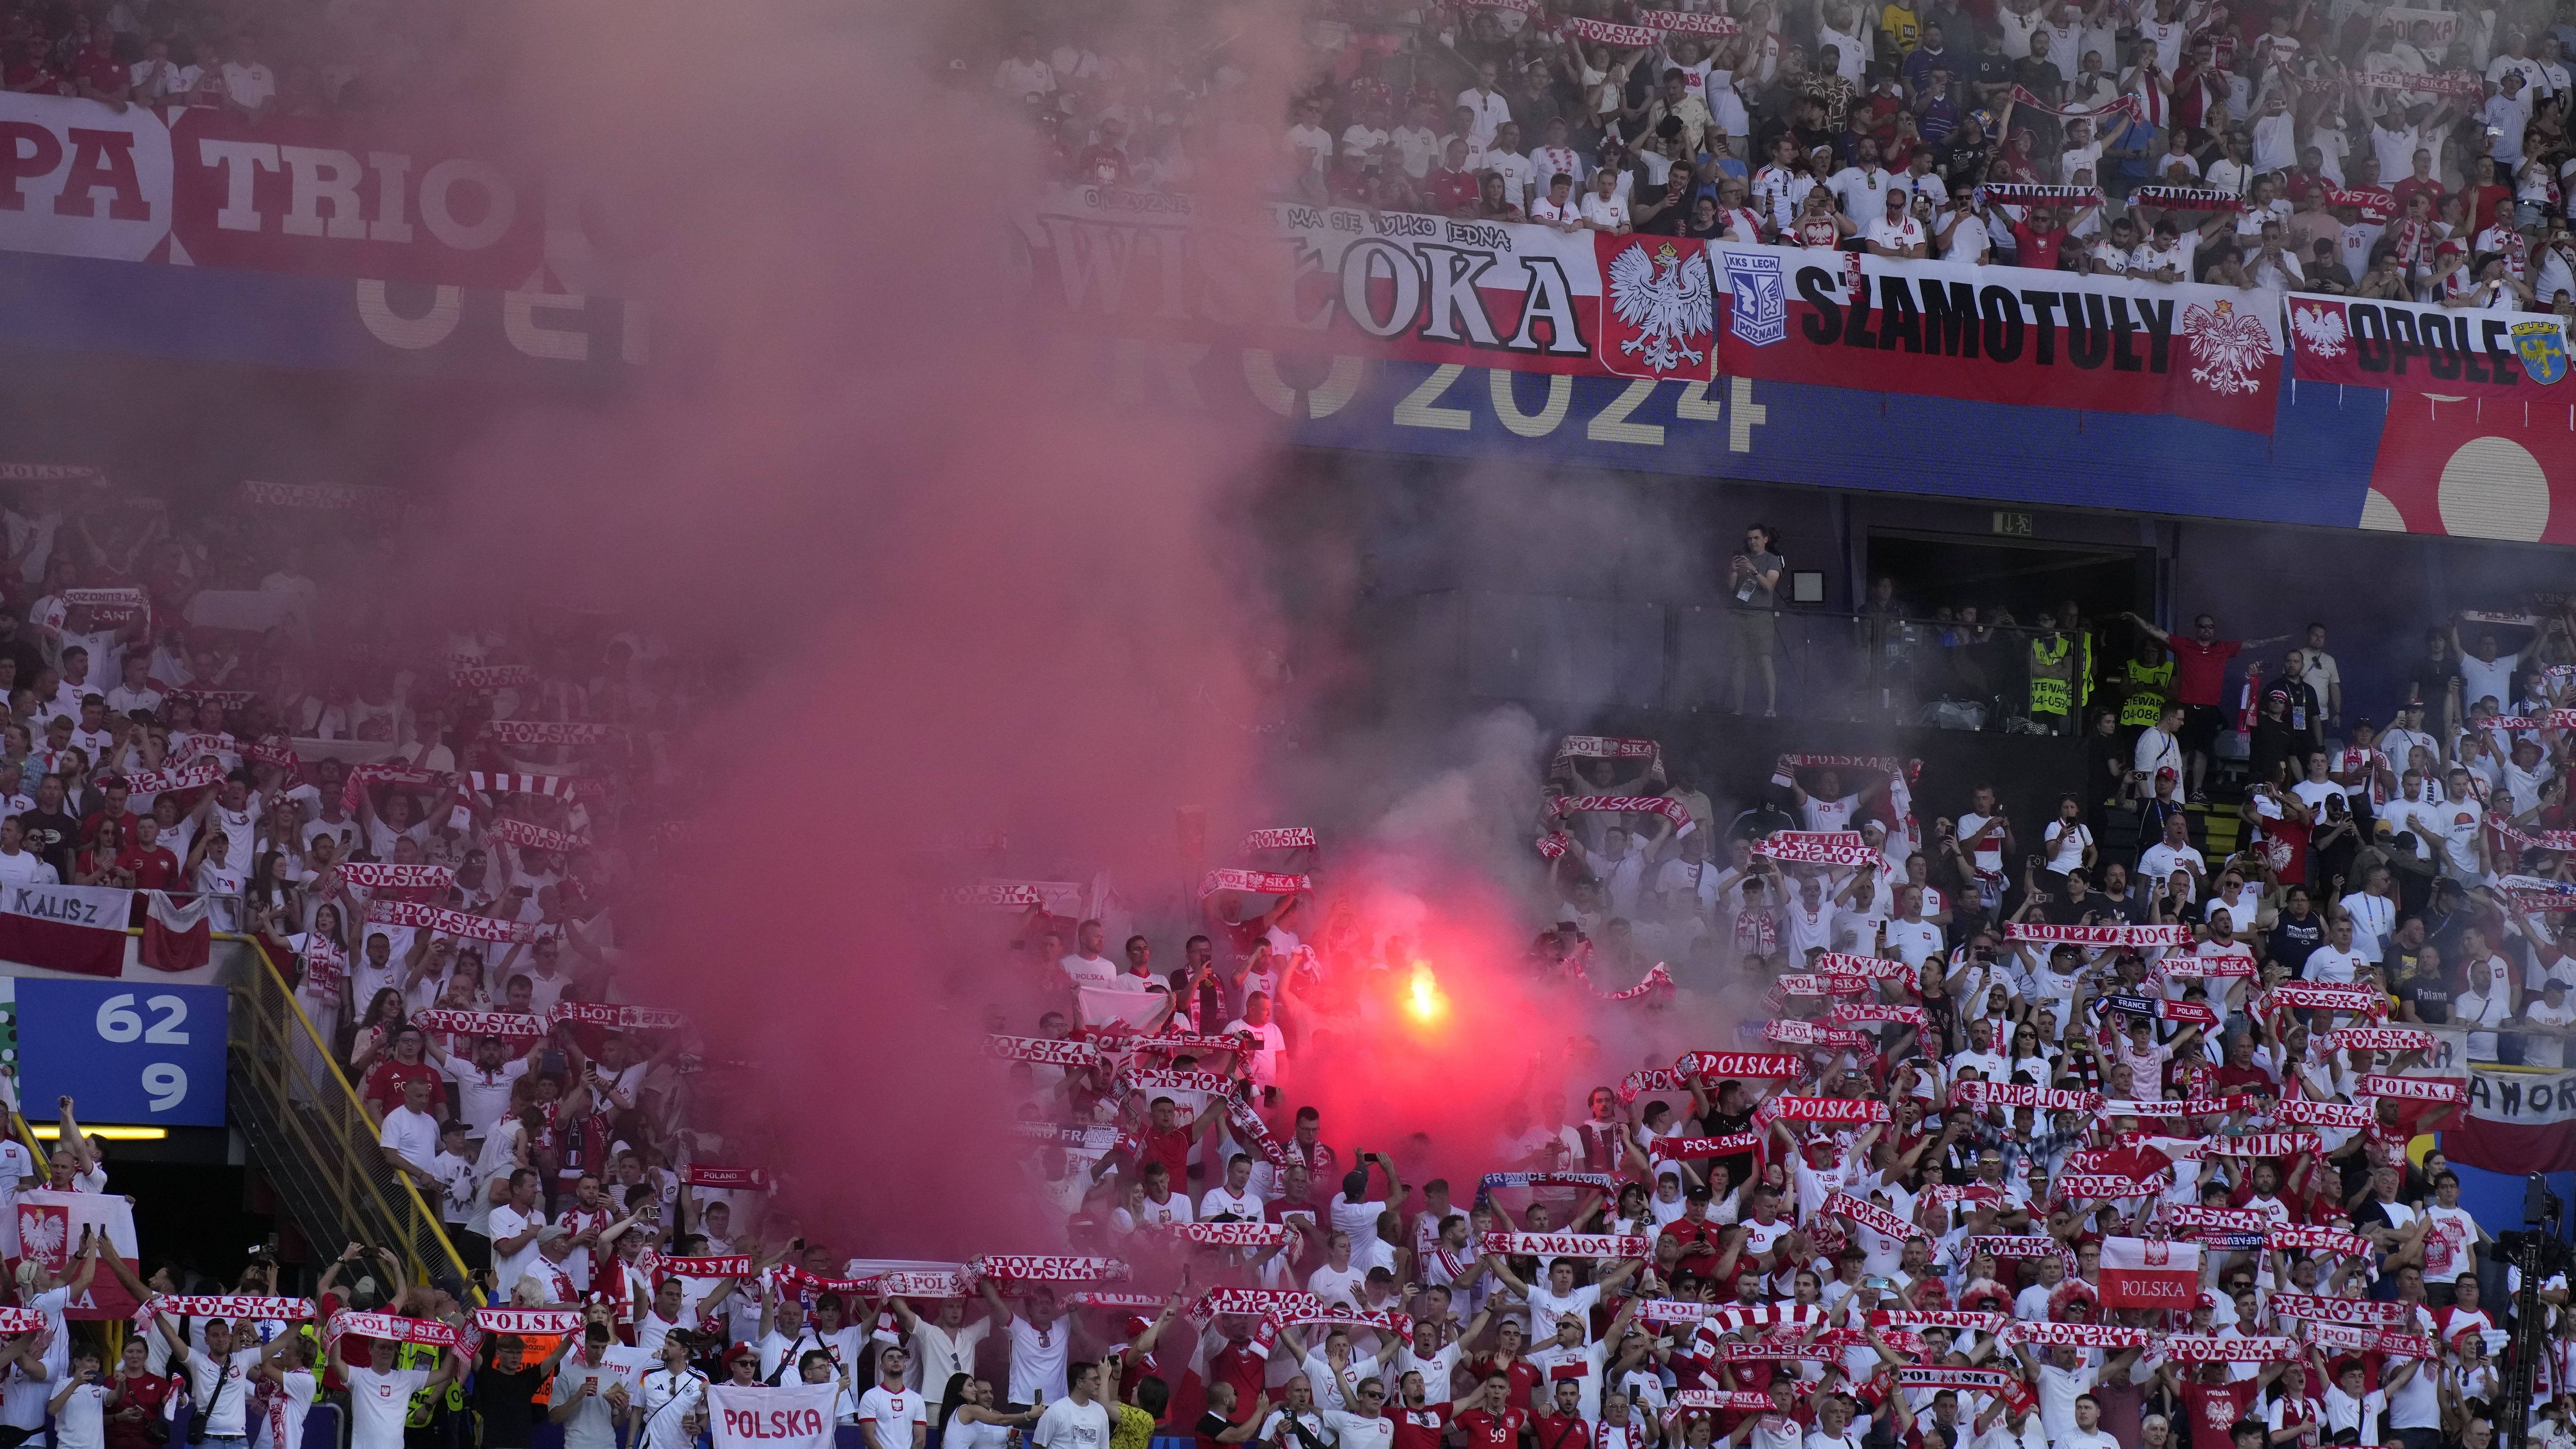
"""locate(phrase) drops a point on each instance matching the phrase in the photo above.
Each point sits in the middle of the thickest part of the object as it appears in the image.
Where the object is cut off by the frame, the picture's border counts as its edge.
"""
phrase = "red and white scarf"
(376, 875)
(1762, 1066)
(2266, 1144)
(394, 1326)
(317, 495)
(528, 1322)
(1686, 22)
(621, 1018)
(491, 676)
(2314, 996)
(1232, 1235)
(2413, 1089)
(1866, 968)
(507, 1025)
(706, 1174)
(550, 732)
(1049, 1050)
(1792, 1032)
(2300, 1112)
(534, 837)
(1670, 1149)
(1871, 1216)
(1619, 37)
(2014, 1245)
(491, 782)
(162, 782)
(226, 1306)
(1291, 837)
(2130, 936)
(354, 787)
(1247, 1127)
(1806, 984)
(2080, 1335)
(2213, 1348)
(2317, 1240)
(2395, 1345)
(2023, 1094)
(2185, 1218)
(1671, 809)
(728, 1265)
(449, 923)
(1984, 1381)
(1817, 847)
(265, 752)
(1822, 1109)
(2360, 1312)
(2083, 1186)
(1567, 1245)
(1255, 882)
(1939, 1318)
(2378, 1039)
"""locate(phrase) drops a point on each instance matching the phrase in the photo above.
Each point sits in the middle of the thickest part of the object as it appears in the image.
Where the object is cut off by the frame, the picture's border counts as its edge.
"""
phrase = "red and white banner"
(1759, 1066)
(2410, 347)
(1568, 1245)
(1255, 882)
(1294, 837)
(756, 1416)
(2137, 937)
(2516, 1122)
(1655, 312)
(2103, 343)
(533, 1322)
(2413, 1089)
(2022, 1094)
(65, 928)
(2214, 1348)
(728, 1179)
(2149, 1273)
(550, 732)
(1817, 847)
(492, 676)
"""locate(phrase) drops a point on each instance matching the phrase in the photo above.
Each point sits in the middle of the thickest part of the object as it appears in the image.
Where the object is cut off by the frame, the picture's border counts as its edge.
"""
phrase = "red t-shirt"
(1562, 1431)
(1523, 1375)
(125, 823)
(1238, 1365)
(1172, 1149)
(142, 1391)
(103, 72)
(1489, 1430)
(2433, 191)
(1423, 1428)
(385, 1084)
(2215, 1408)
(2200, 670)
(154, 870)
(2037, 248)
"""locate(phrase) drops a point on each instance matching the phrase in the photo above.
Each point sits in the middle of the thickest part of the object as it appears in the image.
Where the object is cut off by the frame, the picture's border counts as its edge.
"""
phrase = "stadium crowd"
(2359, 149)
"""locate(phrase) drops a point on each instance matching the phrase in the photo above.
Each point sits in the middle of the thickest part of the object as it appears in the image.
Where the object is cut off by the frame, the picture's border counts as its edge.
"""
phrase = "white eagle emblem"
(2321, 330)
(40, 1235)
(2227, 346)
(1666, 302)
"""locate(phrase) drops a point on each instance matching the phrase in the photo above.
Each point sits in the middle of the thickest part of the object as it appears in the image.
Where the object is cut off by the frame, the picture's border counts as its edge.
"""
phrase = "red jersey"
(1563, 1431)
(1423, 1428)
(1523, 1374)
(1489, 1430)
(1172, 1149)
(385, 1084)
(2200, 670)
(2215, 1408)
(2037, 248)
(103, 72)
(1238, 1365)
(153, 870)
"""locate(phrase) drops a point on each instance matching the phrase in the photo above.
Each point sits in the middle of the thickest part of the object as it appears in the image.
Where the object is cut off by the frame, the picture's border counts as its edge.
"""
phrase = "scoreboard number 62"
(164, 1083)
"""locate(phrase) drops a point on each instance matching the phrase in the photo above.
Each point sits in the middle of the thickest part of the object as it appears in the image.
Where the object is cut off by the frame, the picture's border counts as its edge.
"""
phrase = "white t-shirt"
(296, 1401)
(1091, 970)
(2484, 679)
(378, 1405)
(1066, 1424)
(1546, 1307)
(79, 1423)
(1898, 235)
(222, 1391)
(2335, 967)
(508, 1222)
(2066, 845)
(412, 1134)
(26, 868)
(1038, 1358)
(1610, 213)
(888, 1416)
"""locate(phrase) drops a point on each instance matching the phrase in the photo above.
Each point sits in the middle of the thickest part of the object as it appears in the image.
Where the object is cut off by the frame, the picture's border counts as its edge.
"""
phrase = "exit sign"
(2013, 525)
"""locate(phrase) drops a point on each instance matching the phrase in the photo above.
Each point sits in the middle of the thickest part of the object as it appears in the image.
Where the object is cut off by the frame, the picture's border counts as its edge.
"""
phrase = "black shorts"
(2200, 726)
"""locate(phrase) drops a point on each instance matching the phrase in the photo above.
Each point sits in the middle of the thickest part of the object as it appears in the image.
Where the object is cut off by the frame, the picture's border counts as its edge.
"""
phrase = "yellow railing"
(310, 1111)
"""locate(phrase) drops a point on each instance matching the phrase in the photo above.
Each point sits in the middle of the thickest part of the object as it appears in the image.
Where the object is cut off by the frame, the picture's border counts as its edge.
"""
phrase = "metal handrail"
(327, 1125)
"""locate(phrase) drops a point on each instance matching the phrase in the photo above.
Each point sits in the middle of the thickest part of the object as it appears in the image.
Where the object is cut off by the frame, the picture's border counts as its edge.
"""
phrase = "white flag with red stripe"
(2149, 1273)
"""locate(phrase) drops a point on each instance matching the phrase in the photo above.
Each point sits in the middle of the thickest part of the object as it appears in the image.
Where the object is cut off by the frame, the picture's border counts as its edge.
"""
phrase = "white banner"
(791, 1416)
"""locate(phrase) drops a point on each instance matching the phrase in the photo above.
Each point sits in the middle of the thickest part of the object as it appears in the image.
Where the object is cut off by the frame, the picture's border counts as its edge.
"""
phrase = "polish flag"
(49, 1228)
(2149, 1273)
(177, 935)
